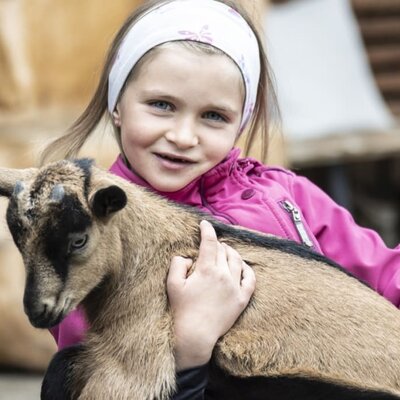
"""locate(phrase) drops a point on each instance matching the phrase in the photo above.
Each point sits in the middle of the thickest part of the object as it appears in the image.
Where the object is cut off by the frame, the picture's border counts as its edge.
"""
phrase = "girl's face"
(180, 115)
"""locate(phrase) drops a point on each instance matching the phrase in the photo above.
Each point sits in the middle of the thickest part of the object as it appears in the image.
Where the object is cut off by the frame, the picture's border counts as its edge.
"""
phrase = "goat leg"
(57, 382)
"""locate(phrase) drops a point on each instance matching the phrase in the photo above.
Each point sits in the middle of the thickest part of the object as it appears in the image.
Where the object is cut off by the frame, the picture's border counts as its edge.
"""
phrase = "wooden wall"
(379, 22)
(380, 26)
(51, 49)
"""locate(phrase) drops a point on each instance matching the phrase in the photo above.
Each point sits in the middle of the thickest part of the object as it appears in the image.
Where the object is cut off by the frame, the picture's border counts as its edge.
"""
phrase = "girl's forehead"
(183, 61)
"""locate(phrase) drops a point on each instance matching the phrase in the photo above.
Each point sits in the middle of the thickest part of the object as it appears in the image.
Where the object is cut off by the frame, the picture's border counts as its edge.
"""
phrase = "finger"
(248, 282)
(208, 245)
(222, 257)
(178, 271)
(235, 263)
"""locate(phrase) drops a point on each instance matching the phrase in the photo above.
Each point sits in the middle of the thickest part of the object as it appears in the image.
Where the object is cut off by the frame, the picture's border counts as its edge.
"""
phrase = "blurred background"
(336, 65)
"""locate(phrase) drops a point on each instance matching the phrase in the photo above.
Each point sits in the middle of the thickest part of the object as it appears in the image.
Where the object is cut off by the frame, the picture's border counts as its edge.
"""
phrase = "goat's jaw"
(48, 311)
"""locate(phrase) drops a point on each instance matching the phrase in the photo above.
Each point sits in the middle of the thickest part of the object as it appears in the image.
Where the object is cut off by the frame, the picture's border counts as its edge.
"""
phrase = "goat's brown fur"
(307, 318)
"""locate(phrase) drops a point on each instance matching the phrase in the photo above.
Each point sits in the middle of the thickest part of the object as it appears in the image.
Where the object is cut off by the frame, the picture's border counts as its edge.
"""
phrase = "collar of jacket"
(196, 191)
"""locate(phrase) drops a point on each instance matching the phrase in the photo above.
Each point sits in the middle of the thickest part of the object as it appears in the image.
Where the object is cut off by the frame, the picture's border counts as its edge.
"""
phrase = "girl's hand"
(207, 303)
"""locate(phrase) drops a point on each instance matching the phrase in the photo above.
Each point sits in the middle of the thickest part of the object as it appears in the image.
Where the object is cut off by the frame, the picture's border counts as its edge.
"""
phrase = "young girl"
(182, 81)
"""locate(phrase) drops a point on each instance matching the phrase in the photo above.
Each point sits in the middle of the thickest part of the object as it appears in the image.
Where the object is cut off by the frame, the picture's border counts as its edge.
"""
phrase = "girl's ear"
(116, 116)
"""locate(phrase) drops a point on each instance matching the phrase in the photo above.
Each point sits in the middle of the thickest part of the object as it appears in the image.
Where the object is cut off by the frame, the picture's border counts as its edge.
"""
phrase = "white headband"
(206, 21)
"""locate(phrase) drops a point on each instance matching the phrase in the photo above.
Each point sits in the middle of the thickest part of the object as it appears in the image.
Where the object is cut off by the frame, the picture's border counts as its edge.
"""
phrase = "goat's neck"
(151, 226)
(150, 233)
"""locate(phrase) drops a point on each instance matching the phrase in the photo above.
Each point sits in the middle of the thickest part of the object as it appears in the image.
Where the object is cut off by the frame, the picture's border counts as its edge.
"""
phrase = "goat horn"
(18, 188)
(57, 194)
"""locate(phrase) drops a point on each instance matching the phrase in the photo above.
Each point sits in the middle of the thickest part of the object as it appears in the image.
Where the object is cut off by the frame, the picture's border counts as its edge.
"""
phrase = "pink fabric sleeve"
(361, 251)
(71, 330)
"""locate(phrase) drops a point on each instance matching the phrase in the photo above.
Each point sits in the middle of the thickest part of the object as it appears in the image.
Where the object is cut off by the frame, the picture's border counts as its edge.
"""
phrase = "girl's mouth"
(174, 159)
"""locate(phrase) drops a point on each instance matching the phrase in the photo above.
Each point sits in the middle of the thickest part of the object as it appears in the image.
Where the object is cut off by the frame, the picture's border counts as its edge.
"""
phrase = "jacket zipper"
(298, 223)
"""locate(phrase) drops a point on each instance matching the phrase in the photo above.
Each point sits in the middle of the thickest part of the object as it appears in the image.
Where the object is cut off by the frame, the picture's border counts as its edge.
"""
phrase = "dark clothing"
(191, 383)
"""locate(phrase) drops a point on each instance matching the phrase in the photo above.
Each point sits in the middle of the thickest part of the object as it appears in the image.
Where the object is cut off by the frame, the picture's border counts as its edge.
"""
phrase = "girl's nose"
(183, 135)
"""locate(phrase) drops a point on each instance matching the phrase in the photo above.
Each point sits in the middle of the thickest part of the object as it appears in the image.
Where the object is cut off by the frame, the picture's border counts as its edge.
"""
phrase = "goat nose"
(41, 313)
(38, 307)
(48, 303)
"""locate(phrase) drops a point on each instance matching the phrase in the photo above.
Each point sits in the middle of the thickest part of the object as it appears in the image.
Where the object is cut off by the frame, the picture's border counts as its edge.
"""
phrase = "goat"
(310, 331)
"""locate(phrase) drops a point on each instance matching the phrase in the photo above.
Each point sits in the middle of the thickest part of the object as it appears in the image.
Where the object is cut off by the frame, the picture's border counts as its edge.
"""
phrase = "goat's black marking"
(275, 243)
(224, 386)
(4, 192)
(14, 223)
(85, 164)
(270, 242)
(30, 293)
(34, 309)
(69, 217)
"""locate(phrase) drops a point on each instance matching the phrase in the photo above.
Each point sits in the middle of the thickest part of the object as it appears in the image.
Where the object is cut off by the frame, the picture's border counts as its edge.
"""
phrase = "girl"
(183, 79)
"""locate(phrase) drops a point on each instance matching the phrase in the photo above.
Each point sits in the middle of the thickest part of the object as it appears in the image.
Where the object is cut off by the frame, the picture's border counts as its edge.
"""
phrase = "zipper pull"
(298, 223)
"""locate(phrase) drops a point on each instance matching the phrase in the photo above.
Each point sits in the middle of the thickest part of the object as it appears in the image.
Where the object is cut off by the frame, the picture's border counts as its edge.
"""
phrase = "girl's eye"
(78, 242)
(162, 105)
(214, 116)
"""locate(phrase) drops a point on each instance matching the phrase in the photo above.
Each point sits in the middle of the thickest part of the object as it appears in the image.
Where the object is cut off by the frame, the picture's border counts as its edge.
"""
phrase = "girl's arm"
(361, 251)
(205, 304)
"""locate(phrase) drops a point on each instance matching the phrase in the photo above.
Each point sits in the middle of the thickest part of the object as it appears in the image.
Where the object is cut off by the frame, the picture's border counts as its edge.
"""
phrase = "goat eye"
(78, 242)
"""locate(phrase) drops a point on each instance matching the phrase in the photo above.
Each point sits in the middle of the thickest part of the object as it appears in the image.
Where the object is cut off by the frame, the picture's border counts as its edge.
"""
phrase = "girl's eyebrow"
(158, 94)
(224, 108)
(221, 107)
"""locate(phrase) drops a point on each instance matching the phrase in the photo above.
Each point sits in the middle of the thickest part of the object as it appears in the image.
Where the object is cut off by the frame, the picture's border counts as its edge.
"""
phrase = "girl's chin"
(169, 185)
(165, 188)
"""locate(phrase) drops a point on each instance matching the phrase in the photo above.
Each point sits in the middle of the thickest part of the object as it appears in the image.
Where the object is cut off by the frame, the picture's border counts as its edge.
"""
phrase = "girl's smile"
(173, 162)
(179, 115)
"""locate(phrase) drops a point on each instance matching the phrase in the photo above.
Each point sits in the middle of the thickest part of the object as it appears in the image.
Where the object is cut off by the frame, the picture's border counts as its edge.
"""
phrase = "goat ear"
(9, 178)
(108, 200)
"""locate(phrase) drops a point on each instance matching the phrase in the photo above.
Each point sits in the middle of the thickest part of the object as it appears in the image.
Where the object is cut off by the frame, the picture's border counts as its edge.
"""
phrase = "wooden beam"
(376, 7)
(388, 82)
(384, 28)
(344, 147)
(394, 106)
(384, 56)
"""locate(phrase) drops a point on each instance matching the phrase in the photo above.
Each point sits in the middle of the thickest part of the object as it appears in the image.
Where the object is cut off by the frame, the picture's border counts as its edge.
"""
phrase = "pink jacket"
(244, 192)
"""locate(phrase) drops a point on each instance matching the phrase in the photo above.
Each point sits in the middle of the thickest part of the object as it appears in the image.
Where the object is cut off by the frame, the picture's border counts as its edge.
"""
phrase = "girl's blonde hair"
(69, 144)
